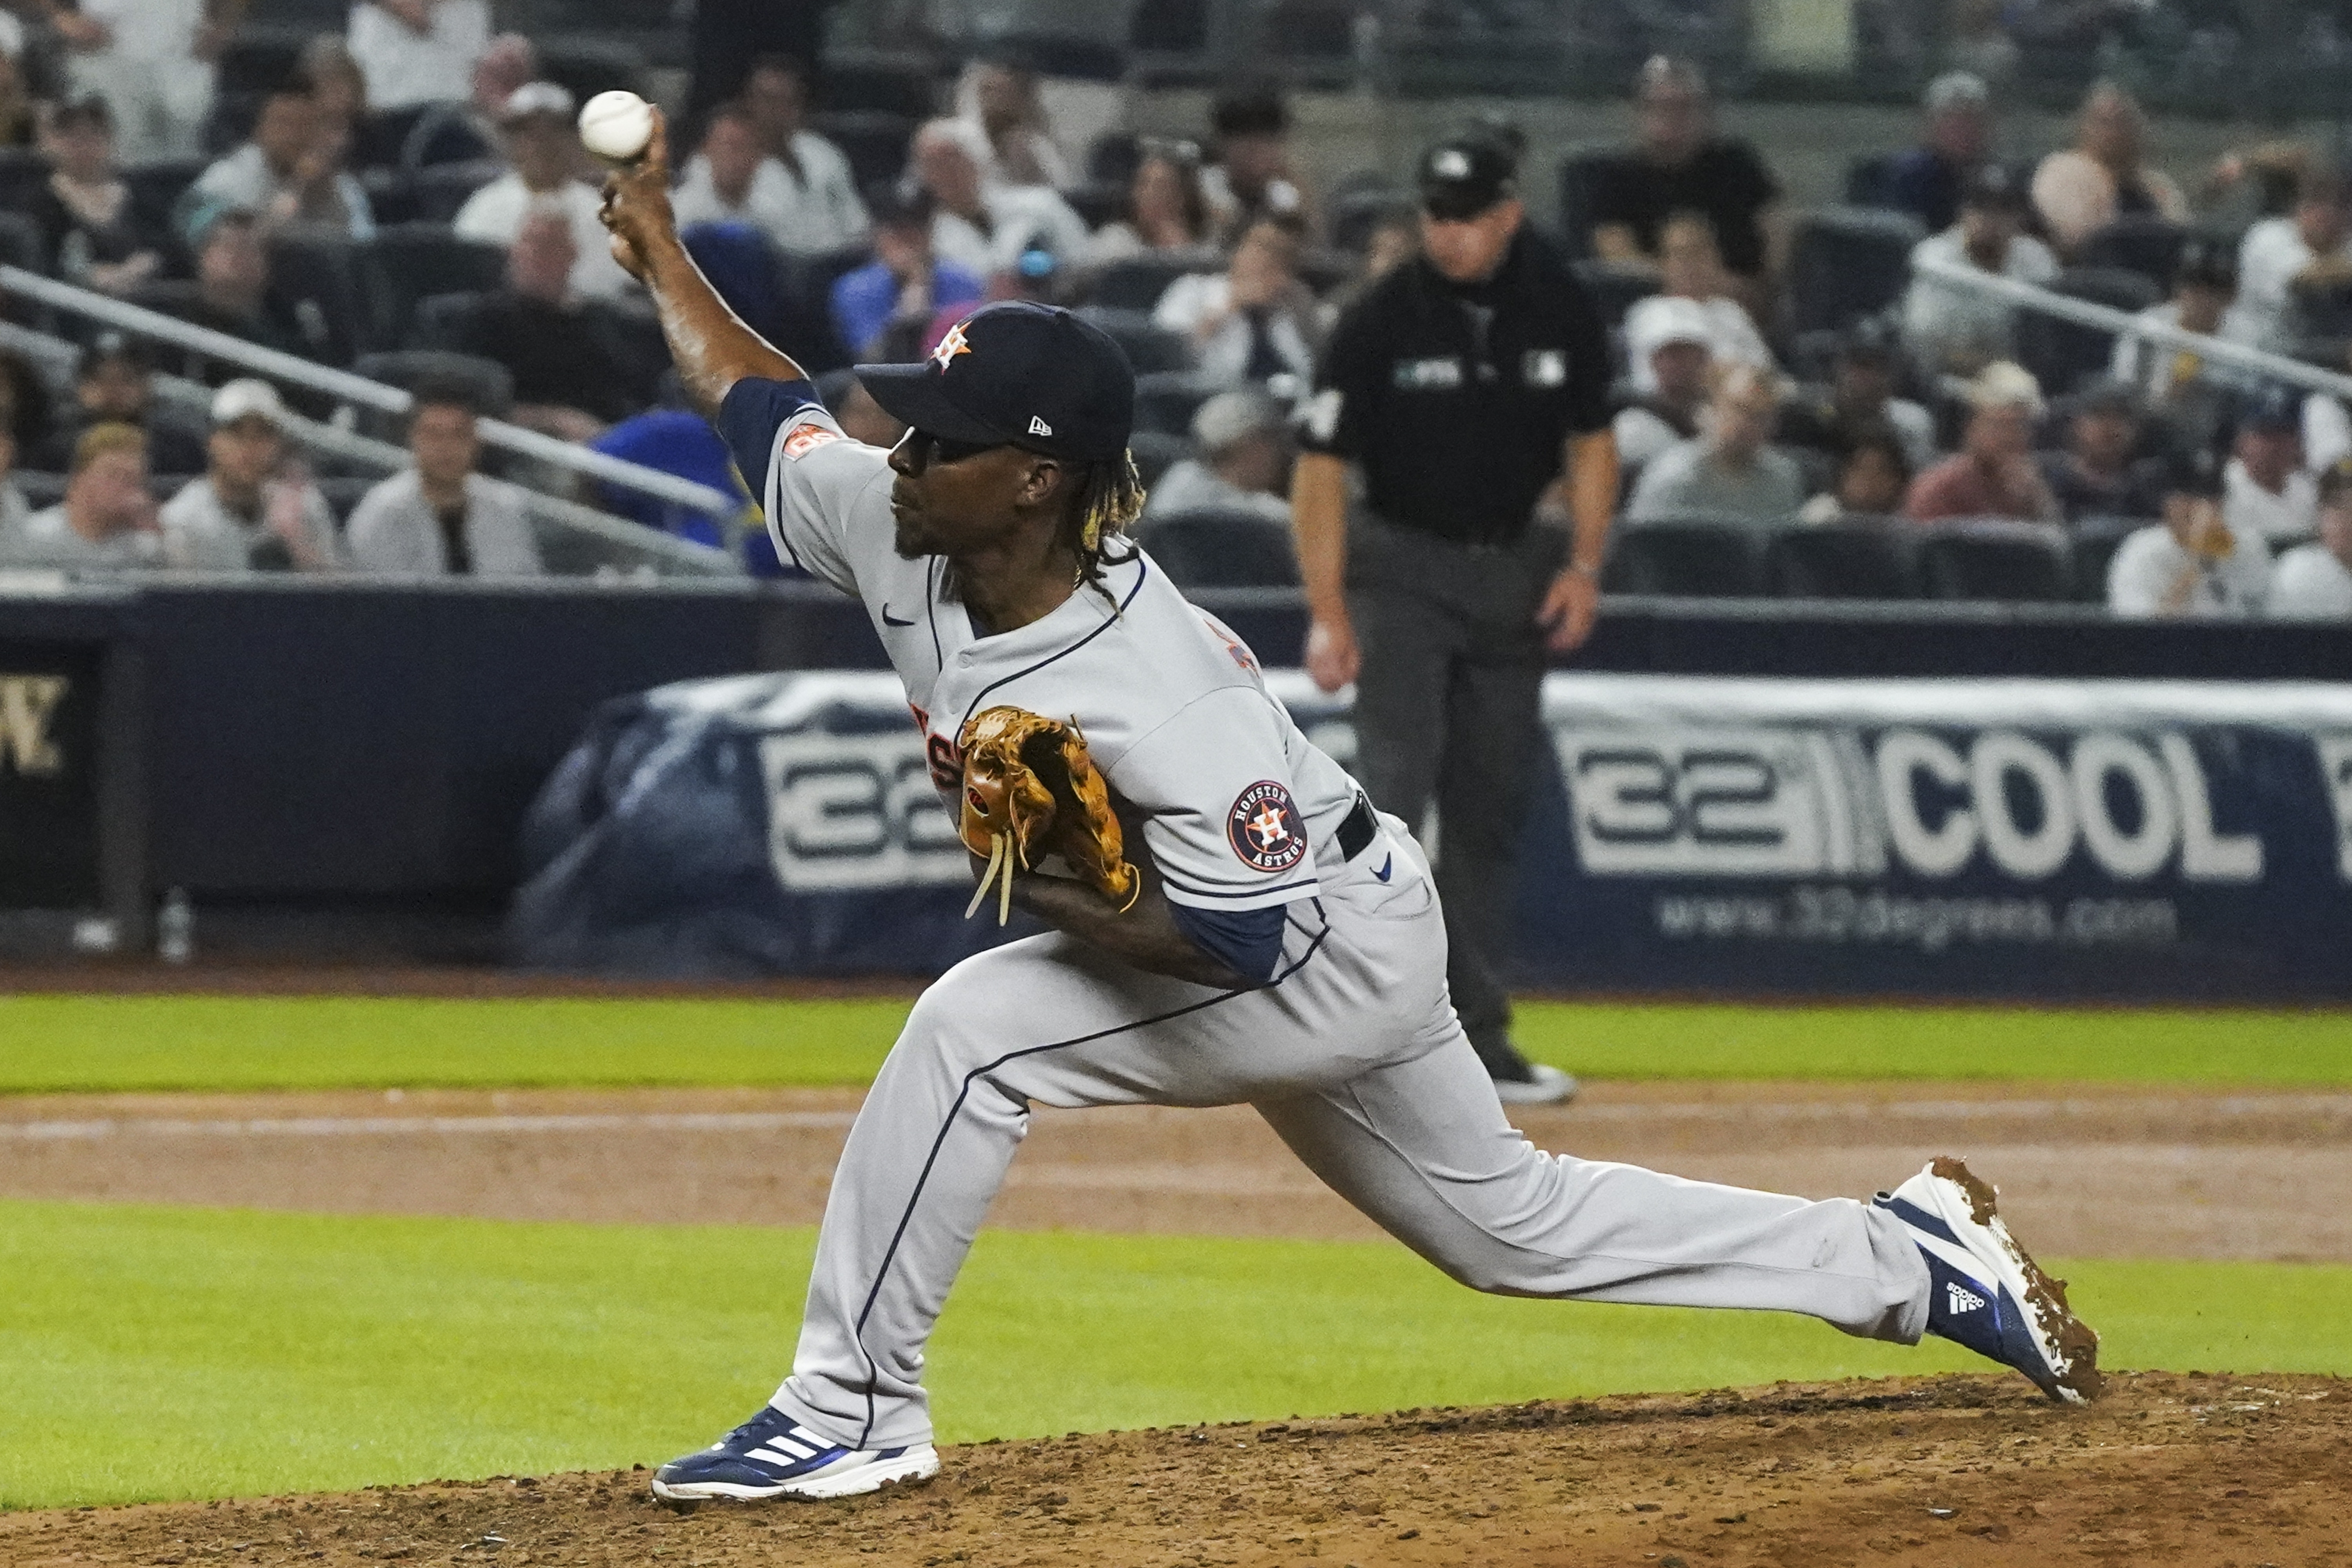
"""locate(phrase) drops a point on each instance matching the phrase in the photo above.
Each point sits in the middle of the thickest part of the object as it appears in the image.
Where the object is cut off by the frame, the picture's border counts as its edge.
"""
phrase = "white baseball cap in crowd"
(538, 98)
(1230, 415)
(1662, 320)
(245, 398)
(2004, 384)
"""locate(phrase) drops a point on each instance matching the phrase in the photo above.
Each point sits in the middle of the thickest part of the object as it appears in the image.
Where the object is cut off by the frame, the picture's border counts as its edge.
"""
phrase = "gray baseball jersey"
(1351, 1050)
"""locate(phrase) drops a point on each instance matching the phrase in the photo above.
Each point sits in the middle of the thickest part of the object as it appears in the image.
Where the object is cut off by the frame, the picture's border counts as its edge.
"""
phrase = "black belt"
(1359, 829)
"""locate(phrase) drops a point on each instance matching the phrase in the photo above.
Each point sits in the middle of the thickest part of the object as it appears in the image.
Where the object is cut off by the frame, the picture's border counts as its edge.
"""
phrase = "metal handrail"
(2107, 318)
(342, 385)
(700, 560)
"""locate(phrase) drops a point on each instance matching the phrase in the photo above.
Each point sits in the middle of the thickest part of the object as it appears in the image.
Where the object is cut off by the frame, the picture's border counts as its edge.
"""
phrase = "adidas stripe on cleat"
(1984, 1290)
(767, 1457)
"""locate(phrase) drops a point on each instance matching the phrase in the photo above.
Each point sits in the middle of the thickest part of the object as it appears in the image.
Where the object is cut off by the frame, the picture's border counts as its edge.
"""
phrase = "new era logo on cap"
(1038, 426)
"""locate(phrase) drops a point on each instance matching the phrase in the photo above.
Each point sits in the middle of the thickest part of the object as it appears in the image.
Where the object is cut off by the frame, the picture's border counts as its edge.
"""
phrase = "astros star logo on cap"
(949, 346)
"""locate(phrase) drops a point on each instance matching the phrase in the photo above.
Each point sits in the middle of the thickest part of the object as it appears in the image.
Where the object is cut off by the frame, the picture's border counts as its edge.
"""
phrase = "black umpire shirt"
(1455, 399)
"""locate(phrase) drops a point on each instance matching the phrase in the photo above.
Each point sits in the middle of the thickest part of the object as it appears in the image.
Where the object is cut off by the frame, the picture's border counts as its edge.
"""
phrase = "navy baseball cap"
(2274, 411)
(1019, 373)
(1462, 177)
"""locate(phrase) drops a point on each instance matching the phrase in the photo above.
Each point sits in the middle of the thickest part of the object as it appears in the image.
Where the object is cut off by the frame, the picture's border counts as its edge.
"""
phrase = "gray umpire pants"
(1447, 713)
(1356, 1061)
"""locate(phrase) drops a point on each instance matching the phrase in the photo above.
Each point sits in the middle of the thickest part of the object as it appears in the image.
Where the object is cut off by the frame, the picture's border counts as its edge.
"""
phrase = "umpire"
(1470, 387)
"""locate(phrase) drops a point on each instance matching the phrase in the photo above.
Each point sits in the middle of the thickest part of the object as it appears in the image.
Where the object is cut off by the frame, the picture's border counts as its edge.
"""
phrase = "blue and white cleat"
(768, 1456)
(1985, 1292)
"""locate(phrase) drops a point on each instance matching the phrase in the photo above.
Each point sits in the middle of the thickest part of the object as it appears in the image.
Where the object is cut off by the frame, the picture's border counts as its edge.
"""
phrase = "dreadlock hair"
(1109, 498)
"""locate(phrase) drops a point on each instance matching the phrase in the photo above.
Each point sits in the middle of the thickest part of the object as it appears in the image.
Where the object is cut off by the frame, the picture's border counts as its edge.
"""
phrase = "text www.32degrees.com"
(1931, 924)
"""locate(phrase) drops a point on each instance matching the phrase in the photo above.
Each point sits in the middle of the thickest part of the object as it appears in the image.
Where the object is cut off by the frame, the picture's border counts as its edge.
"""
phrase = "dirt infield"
(2189, 1471)
(2084, 1170)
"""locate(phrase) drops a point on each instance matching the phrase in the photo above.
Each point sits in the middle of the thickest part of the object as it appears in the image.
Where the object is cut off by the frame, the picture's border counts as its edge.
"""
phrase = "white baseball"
(616, 125)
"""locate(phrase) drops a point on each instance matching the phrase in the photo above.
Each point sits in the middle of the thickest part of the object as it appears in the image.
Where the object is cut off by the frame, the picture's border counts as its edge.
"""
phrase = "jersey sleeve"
(1337, 417)
(809, 477)
(1220, 823)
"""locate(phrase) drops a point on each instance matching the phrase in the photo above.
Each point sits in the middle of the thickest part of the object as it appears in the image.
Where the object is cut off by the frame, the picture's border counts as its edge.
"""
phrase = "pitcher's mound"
(2190, 1470)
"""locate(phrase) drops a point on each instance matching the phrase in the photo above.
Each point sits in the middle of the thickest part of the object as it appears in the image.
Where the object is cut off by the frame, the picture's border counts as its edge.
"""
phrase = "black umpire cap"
(1462, 177)
(1016, 373)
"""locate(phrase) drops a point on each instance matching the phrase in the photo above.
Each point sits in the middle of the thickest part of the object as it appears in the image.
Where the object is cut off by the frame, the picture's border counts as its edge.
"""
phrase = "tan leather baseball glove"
(1030, 789)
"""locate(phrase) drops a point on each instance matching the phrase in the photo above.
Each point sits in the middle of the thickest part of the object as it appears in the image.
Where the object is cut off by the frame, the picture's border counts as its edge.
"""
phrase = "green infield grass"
(57, 1042)
(160, 1353)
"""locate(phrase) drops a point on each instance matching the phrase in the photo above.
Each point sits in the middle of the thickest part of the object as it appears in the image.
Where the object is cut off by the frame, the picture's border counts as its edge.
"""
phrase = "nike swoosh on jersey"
(890, 620)
(1387, 863)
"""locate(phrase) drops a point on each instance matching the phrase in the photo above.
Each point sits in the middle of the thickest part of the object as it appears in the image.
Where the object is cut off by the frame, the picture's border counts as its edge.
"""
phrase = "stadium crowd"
(1798, 413)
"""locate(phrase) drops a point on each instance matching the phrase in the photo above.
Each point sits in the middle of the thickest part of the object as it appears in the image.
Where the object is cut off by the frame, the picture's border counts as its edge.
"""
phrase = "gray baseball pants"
(1356, 1060)
(1446, 714)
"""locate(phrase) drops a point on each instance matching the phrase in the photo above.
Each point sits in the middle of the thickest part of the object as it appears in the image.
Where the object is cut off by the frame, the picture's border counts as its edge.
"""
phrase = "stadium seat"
(874, 140)
(2140, 243)
(420, 138)
(1577, 173)
(1355, 211)
(343, 494)
(492, 385)
(1098, 202)
(1155, 454)
(328, 271)
(23, 170)
(1697, 558)
(1149, 348)
(1166, 401)
(1857, 558)
(1847, 263)
(2096, 540)
(1220, 548)
(411, 262)
(21, 244)
(2063, 354)
(156, 188)
(442, 189)
(1995, 559)
(893, 84)
(1868, 178)
(587, 66)
(259, 59)
(1137, 282)
(743, 267)
(1615, 289)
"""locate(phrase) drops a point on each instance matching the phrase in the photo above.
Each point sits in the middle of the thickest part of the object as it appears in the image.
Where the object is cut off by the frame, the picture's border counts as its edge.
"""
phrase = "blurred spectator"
(338, 86)
(863, 419)
(2265, 490)
(1979, 42)
(1005, 124)
(2315, 580)
(1252, 181)
(1252, 322)
(151, 60)
(542, 146)
(985, 228)
(905, 281)
(438, 518)
(20, 120)
(1729, 471)
(730, 37)
(676, 442)
(14, 512)
(1861, 398)
(2099, 472)
(91, 229)
(1673, 351)
(234, 292)
(112, 386)
(1872, 478)
(2204, 294)
(415, 52)
(1678, 164)
(805, 200)
(250, 510)
(107, 520)
(2193, 563)
(462, 130)
(1166, 209)
(1243, 442)
(1957, 331)
(1992, 474)
(1927, 181)
(2313, 245)
(571, 376)
(2105, 175)
(1690, 272)
(291, 170)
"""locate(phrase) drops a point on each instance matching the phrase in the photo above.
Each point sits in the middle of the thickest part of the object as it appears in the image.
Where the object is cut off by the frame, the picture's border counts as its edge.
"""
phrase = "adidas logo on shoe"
(1958, 1300)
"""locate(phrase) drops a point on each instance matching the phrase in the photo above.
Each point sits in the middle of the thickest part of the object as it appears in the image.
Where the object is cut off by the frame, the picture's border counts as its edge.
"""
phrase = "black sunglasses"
(927, 448)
